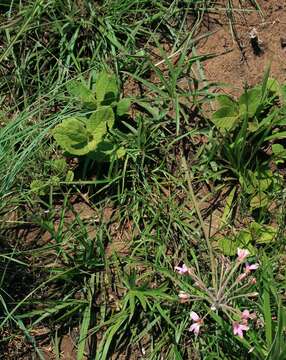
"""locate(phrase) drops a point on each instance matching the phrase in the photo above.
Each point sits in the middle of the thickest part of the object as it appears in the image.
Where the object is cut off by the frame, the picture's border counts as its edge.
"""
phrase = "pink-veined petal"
(195, 328)
(195, 316)
(242, 254)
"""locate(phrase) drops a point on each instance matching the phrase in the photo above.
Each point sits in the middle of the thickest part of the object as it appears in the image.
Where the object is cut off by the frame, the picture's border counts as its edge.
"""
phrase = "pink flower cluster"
(239, 328)
(219, 299)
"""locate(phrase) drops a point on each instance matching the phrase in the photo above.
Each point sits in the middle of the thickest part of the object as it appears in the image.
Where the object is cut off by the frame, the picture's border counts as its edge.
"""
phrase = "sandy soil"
(238, 62)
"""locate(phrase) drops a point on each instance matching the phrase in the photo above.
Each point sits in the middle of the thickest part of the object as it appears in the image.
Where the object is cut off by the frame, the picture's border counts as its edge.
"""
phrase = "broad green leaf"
(72, 136)
(82, 93)
(259, 200)
(243, 238)
(274, 86)
(228, 246)
(123, 107)
(106, 88)
(227, 101)
(249, 102)
(278, 149)
(105, 151)
(262, 180)
(79, 136)
(100, 120)
(225, 118)
(262, 234)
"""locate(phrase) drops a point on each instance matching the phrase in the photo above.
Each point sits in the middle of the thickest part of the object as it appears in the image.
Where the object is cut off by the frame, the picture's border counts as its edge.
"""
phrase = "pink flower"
(242, 254)
(184, 297)
(239, 328)
(248, 268)
(195, 327)
(253, 281)
(245, 315)
(182, 270)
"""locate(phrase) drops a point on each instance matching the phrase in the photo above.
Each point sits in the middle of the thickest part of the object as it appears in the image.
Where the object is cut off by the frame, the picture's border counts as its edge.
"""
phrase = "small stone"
(283, 42)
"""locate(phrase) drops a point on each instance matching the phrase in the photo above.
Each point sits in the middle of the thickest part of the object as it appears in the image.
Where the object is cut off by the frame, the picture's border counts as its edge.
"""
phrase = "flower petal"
(242, 254)
(195, 328)
(194, 316)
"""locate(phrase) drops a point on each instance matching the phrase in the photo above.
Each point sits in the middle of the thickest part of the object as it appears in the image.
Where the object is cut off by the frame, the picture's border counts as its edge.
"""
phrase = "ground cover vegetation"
(142, 207)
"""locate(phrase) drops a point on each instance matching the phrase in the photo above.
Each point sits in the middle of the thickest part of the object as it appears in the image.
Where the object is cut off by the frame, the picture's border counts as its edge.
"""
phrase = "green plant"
(88, 135)
(246, 128)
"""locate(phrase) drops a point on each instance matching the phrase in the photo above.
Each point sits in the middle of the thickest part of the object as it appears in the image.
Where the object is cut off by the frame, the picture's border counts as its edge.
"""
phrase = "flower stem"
(202, 224)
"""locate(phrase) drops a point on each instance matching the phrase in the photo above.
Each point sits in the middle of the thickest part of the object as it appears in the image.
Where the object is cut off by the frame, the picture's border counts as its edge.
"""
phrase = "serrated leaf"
(123, 107)
(106, 88)
(225, 118)
(80, 91)
(39, 187)
(55, 181)
(58, 166)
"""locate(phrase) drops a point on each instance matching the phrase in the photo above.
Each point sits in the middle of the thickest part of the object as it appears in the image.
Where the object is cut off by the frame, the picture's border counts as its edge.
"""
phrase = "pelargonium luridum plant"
(231, 282)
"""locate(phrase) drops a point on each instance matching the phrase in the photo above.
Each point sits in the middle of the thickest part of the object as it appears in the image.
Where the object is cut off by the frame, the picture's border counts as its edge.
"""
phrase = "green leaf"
(278, 150)
(259, 200)
(228, 246)
(250, 101)
(262, 180)
(72, 136)
(82, 93)
(105, 151)
(79, 136)
(39, 187)
(274, 87)
(228, 207)
(123, 107)
(69, 176)
(267, 314)
(106, 88)
(100, 120)
(225, 118)
(262, 234)
(227, 101)
(58, 166)
(276, 135)
(243, 238)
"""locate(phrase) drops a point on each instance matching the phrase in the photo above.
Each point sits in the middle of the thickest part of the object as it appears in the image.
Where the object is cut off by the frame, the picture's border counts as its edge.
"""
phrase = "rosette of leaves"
(89, 135)
(252, 105)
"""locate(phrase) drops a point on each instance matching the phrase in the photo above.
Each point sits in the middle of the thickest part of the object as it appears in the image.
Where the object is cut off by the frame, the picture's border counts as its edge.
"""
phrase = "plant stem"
(202, 224)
